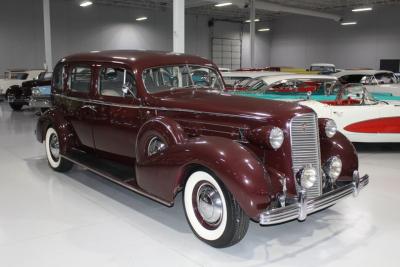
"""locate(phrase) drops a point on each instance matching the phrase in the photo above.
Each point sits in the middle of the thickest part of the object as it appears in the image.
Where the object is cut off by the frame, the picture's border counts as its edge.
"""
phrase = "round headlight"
(333, 168)
(276, 138)
(35, 91)
(330, 128)
(308, 177)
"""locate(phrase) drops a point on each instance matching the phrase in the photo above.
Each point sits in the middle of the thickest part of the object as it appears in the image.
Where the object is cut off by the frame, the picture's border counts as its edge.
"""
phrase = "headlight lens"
(276, 138)
(333, 168)
(308, 177)
(330, 128)
(35, 91)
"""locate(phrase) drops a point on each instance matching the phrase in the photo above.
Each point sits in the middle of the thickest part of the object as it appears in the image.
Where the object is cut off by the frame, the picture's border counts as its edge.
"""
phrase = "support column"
(252, 32)
(47, 35)
(179, 26)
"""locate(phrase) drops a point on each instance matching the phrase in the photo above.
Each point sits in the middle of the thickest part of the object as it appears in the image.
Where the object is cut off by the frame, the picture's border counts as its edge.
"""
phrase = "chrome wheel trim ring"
(54, 146)
(208, 203)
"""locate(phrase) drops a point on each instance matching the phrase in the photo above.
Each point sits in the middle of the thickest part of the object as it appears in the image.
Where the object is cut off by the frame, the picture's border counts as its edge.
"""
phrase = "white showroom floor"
(50, 219)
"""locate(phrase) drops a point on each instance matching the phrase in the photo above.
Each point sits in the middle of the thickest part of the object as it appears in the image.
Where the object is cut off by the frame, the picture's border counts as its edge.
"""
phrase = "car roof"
(277, 78)
(323, 64)
(138, 58)
(359, 72)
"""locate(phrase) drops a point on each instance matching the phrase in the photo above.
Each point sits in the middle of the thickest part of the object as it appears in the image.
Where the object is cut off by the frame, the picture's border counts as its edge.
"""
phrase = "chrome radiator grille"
(306, 149)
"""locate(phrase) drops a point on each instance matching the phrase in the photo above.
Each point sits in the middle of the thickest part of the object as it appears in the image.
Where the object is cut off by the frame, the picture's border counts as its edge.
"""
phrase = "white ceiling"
(239, 14)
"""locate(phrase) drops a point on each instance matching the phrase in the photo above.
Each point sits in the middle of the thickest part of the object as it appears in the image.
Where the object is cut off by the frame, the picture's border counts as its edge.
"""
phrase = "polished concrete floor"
(78, 219)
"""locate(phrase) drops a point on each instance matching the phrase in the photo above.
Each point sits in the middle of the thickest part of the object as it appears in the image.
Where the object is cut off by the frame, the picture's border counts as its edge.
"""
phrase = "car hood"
(225, 104)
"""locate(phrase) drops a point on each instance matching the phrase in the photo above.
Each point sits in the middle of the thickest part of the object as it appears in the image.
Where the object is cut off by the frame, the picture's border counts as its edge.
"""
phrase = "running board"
(128, 183)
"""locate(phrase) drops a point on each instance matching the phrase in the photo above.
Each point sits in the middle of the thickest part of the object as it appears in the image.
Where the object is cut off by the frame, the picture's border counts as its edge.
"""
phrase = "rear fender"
(64, 129)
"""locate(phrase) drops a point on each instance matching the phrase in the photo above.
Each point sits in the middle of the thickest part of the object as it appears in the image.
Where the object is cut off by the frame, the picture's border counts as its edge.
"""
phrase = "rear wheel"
(16, 107)
(212, 212)
(54, 158)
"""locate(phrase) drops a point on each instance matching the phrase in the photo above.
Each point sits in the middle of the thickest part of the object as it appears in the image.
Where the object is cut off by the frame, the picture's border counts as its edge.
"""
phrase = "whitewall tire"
(213, 214)
(56, 162)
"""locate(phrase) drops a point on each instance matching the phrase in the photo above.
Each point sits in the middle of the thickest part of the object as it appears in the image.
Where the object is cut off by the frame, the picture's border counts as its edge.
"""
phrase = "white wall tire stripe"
(203, 232)
(53, 163)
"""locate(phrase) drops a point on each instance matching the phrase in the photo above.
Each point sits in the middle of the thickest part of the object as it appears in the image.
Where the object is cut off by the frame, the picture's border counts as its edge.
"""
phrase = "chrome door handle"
(91, 107)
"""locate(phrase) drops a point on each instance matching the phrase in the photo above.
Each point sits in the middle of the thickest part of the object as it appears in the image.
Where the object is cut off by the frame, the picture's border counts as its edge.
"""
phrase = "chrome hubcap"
(54, 146)
(209, 204)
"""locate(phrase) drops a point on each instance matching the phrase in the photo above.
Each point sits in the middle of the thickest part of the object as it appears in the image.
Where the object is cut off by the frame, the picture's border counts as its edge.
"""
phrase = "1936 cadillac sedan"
(143, 120)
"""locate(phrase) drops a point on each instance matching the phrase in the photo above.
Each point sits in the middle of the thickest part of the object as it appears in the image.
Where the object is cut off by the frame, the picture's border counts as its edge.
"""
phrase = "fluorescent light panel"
(255, 20)
(223, 4)
(362, 9)
(86, 3)
(141, 18)
(349, 23)
(264, 30)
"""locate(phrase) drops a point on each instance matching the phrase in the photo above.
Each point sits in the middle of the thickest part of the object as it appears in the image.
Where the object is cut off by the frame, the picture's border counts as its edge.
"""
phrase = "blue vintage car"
(41, 97)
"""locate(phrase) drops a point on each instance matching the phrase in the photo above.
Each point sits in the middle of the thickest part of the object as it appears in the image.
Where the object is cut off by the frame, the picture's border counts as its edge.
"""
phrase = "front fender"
(165, 173)
(340, 146)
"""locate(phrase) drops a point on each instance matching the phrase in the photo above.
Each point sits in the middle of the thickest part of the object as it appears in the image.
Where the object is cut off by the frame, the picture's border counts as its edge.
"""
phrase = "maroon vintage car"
(146, 121)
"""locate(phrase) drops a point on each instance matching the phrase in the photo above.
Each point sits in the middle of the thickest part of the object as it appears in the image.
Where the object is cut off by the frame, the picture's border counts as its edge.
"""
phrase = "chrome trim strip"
(303, 207)
(99, 102)
(112, 179)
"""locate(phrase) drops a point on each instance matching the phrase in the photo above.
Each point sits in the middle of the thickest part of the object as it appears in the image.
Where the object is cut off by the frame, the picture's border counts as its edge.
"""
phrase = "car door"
(79, 110)
(118, 115)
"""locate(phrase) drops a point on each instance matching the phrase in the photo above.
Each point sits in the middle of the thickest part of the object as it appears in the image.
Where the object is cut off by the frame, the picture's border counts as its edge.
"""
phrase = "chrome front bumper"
(40, 102)
(305, 206)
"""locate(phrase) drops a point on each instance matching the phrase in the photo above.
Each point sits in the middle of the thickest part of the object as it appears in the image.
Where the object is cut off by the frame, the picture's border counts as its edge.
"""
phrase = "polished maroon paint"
(202, 129)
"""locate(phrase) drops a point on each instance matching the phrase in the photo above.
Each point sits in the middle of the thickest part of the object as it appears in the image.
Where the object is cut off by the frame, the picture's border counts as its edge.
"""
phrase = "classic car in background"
(282, 69)
(16, 77)
(20, 95)
(41, 97)
(232, 79)
(292, 87)
(376, 81)
(323, 68)
(234, 157)
(286, 86)
(358, 115)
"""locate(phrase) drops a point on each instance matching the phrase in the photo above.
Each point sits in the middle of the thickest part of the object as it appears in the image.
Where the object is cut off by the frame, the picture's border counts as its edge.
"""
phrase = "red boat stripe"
(381, 125)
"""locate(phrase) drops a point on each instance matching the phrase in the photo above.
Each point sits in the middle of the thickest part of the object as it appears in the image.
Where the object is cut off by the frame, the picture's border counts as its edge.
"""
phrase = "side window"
(79, 79)
(58, 81)
(111, 82)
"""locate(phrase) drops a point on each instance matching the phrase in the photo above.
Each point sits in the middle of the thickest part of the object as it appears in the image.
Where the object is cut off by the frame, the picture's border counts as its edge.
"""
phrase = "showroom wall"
(300, 41)
(100, 27)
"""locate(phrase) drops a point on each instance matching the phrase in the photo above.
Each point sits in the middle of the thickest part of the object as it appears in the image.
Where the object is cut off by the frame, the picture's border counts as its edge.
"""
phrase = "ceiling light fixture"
(86, 3)
(141, 18)
(264, 30)
(362, 9)
(349, 23)
(223, 4)
(255, 20)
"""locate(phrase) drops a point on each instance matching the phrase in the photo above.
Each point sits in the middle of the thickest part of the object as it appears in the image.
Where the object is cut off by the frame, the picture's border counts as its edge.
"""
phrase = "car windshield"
(181, 76)
(386, 78)
(298, 85)
(354, 92)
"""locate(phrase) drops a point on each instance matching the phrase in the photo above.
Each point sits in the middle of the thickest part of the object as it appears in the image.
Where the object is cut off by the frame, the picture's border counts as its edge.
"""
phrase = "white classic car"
(233, 78)
(323, 68)
(16, 77)
(361, 118)
(376, 81)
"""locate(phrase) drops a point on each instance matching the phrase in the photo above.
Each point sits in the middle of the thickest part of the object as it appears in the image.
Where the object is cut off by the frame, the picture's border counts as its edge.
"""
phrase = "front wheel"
(16, 107)
(54, 158)
(212, 212)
